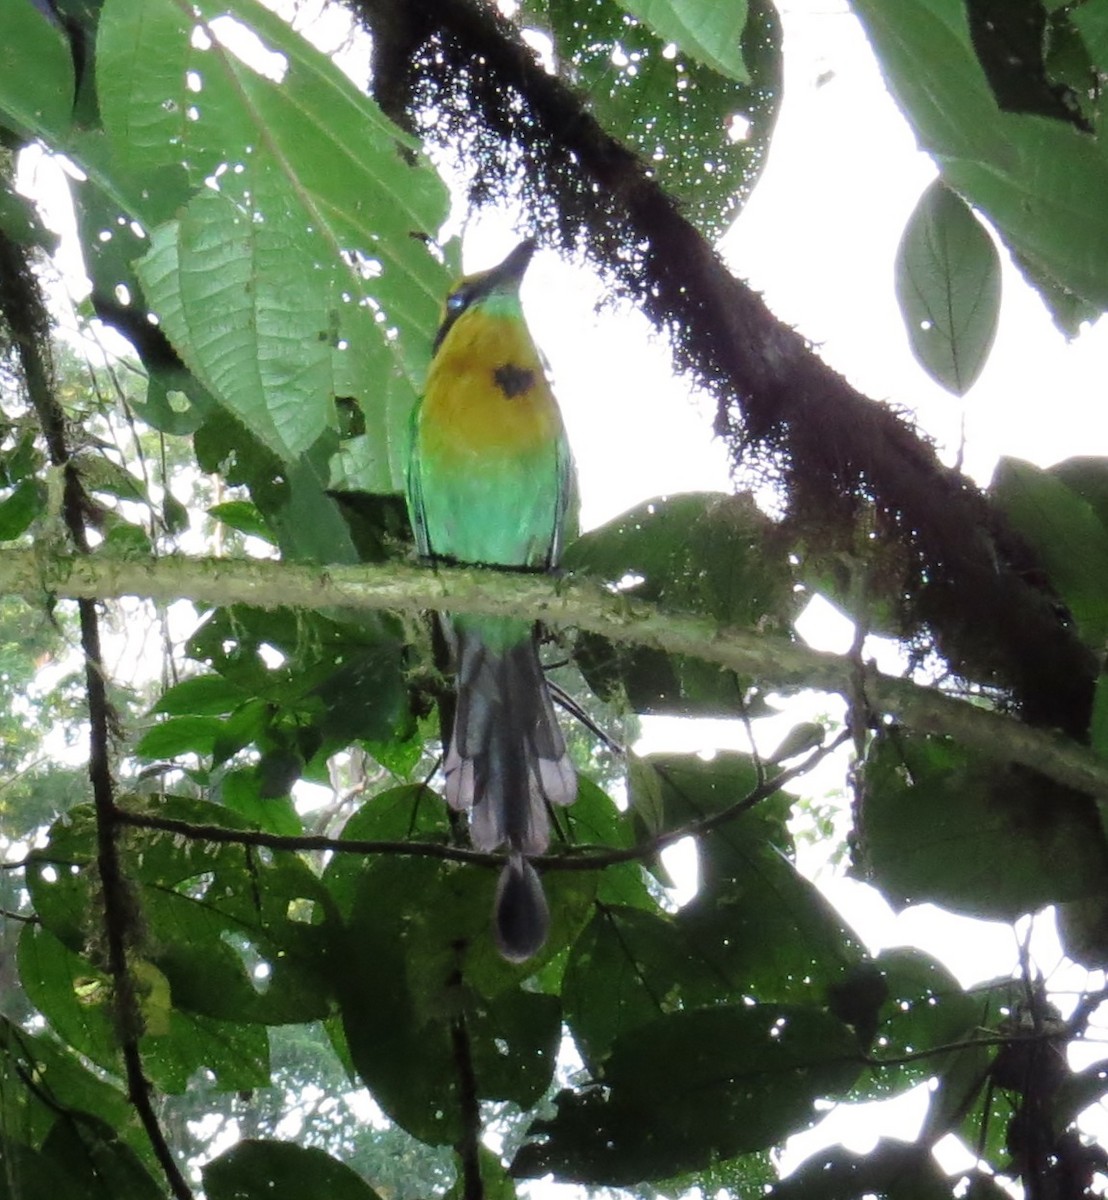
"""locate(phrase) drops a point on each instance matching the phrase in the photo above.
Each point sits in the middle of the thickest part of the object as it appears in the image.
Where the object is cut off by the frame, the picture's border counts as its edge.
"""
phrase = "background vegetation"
(211, 961)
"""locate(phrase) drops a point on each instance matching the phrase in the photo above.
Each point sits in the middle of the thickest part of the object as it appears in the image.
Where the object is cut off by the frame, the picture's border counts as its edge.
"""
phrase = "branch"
(564, 603)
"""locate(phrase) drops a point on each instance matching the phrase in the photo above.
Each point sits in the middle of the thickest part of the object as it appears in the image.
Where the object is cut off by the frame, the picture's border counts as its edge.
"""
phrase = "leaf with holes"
(300, 276)
(734, 1078)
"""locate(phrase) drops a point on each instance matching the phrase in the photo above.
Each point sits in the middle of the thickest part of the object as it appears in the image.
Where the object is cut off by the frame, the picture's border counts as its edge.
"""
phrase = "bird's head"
(495, 290)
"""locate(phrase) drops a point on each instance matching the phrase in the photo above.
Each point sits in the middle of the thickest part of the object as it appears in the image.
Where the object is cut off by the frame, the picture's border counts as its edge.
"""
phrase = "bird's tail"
(507, 760)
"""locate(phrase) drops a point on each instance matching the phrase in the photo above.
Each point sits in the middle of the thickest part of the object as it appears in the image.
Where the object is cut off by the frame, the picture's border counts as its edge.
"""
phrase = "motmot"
(491, 482)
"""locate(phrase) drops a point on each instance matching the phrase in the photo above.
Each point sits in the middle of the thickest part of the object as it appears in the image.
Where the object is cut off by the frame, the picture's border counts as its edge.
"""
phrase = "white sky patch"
(858, 1127)
(249, 48)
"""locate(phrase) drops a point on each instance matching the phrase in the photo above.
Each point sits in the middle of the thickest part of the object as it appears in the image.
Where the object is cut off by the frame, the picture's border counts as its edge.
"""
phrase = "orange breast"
(487, 393)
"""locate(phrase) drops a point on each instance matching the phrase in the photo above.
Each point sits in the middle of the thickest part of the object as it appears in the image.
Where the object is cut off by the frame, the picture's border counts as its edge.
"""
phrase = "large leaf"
(940, 823)
(755, 920)
(948, 288)
(691, 1088)
(36, 72)
(1068, 535)
(704, 135)
(1039, 180)
(701, 552)
(923, 1008)
(285, 281)
(893, 1170)
(101, 1165)
(415, 971)
(629, 967)
(257, 1170)
(1087, 476)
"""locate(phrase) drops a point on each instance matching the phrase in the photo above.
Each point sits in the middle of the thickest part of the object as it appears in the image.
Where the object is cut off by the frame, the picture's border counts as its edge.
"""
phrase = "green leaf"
(76, 998)
(893, 1170)
(241, 792)
(259, 1170)
(705, 30)
(495, 1181)
(20, 509)
(1087, 476)
(705, 136)
(700, 552)
(302, 277)
(202, 696)
(102, 474)
(1098, 724)
(20, 222)
(627, 968)
(99, 1163)
(409, 813)
(1038, 180)
(237, 933)
(179, 735)
(940, 823)
(645, 791)
(36, 72)
(174, 514)
(963, 1075)
(307, 523)
(1014, 45)
(1068, 536)
(1079, 1091)
(417, 958)
(735, 1079)
(924, 1008)
(756, 922)
(39, 1177)
(948, 288)
(41, 1078)
(243, 516)
(1083, 931)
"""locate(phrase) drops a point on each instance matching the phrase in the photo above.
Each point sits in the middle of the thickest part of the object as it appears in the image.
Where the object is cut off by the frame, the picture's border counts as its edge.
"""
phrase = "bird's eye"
(455, 302)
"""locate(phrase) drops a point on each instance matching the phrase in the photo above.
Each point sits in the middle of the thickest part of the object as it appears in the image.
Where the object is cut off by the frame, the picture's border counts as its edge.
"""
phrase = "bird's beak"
(511, 270)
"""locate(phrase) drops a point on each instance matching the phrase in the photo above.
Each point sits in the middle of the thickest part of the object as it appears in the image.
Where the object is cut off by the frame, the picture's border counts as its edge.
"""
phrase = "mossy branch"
(560, 602)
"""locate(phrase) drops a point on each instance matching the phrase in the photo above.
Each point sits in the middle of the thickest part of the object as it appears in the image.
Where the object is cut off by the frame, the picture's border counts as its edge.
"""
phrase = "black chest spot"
(512, 380)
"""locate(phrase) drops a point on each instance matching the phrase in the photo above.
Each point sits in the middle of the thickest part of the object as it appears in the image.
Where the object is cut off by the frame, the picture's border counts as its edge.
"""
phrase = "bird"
(491, 482)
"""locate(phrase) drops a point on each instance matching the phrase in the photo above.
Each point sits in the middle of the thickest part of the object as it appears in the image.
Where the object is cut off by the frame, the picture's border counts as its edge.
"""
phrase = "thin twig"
(576, 858)
(468, 1146)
